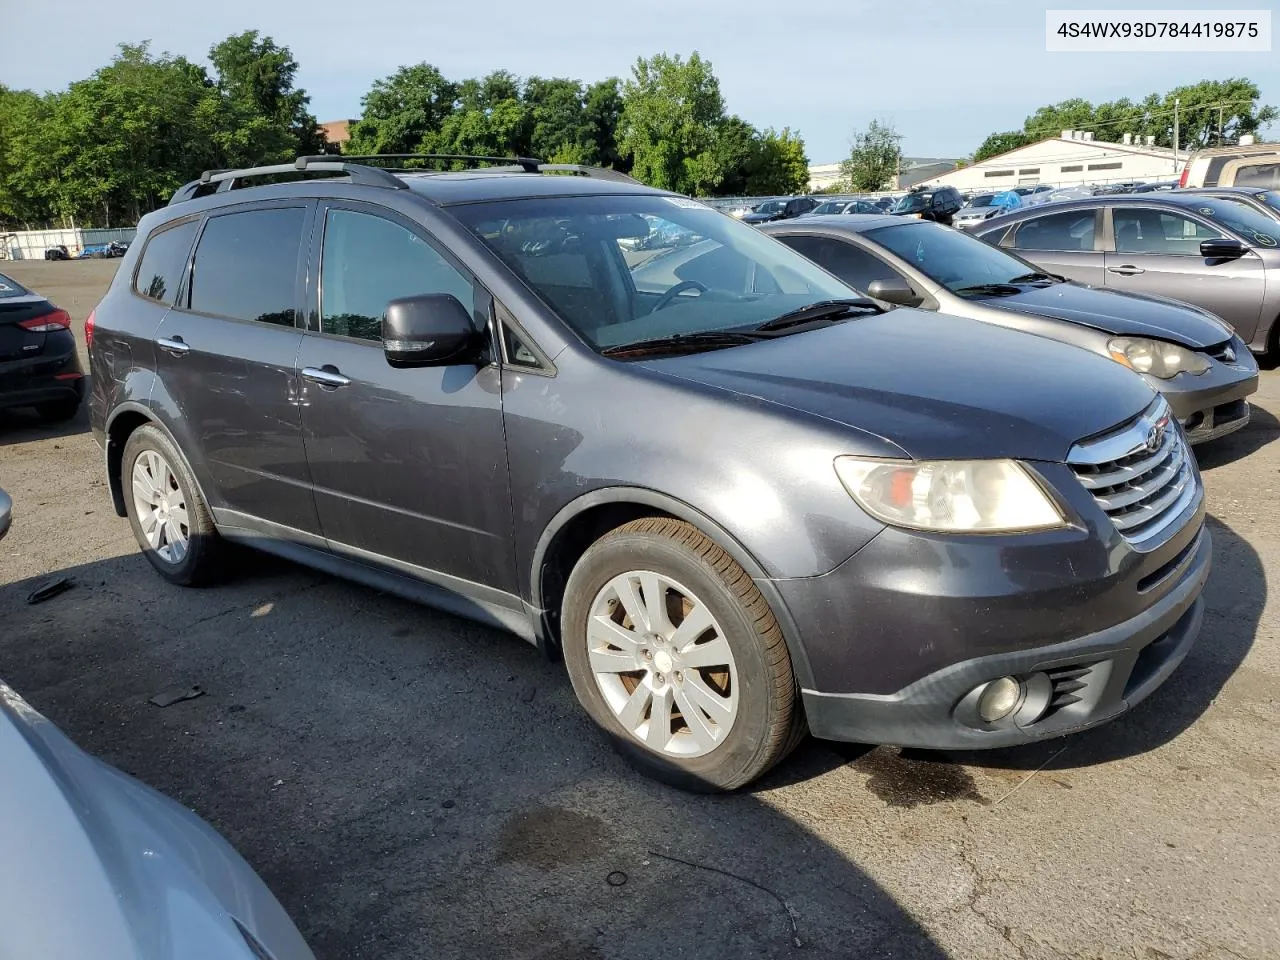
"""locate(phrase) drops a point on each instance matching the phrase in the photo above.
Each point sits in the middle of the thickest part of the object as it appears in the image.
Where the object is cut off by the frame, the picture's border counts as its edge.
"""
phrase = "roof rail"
(527, 164)
(225, 180)
(582, 170)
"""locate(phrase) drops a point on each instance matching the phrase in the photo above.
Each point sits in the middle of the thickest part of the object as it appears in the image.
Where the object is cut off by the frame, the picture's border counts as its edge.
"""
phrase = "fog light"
(999, 698)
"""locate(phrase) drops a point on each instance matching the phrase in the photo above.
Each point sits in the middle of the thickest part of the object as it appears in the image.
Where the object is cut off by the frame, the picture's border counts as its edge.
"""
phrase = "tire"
(739, 666)
(189, 553)
(58, 411)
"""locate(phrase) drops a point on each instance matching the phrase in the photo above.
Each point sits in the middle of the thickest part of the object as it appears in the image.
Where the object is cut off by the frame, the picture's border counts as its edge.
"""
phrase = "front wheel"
(675, 654)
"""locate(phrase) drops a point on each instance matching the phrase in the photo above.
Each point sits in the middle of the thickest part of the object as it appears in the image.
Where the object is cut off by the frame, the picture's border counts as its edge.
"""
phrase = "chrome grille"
(1141, 474)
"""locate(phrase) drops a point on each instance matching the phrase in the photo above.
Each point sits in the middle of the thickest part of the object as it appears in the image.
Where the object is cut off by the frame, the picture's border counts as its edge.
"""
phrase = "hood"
(976, 213)
(1112, 311)
(97, 865)
(938, 386)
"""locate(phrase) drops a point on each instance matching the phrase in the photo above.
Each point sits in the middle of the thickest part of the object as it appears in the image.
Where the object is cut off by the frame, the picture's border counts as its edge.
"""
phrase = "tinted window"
(851, 264)
(1139, 230)
(11, 288)
(1259, 175)
(1070, 230)
(368, 261)
(956, 260)
(246, 265)
(163, 261)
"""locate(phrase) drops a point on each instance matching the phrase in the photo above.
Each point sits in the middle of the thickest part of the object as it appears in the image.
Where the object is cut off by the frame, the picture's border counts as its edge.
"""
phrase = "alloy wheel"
(160, 506)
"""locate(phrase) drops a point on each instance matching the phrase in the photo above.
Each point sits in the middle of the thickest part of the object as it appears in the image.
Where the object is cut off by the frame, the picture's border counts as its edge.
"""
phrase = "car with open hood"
(741, 501)
(1202, 368)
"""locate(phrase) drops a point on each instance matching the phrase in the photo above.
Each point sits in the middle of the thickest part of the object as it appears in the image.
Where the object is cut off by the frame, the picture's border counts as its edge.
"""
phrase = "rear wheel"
(169, 517)
(676, 655)
(57, 411)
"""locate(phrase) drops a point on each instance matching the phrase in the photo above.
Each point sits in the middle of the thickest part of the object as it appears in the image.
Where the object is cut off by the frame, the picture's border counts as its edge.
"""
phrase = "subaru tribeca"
(741, 501)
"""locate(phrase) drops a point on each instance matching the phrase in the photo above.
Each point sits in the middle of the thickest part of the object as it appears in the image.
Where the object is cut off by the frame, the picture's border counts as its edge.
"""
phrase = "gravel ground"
(413, 785)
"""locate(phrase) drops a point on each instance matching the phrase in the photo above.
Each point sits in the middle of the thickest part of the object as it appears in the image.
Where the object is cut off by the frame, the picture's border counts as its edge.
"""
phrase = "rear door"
(1065, 243)
(1157, 251)
(409, 465)
(225, 356)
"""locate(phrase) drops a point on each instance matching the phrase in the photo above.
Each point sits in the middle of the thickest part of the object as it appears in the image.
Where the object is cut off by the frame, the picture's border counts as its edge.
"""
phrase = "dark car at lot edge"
(39, 364)
(1205, 372)
(940, 204)
(780, 209)
(740, 500)
(1217, 254)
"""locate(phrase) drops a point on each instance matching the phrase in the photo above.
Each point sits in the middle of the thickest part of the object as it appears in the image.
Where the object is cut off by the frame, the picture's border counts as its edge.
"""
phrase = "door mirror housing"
(895, 290)
(1222, 249)
(430, 330)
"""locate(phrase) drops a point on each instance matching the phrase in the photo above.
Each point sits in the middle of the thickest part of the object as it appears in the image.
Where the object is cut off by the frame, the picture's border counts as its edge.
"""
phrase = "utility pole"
(1221, 139)
(1177, 102)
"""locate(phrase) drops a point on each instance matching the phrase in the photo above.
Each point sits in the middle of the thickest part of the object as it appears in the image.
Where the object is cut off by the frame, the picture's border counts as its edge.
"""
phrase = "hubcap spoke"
(632, 712)
(150, 524)
(655, 603)
(696, 622)
(718, 708)
(177, 542)
(612, 661)
(700, 729)
(659, 731)
(630, 600)
(714, 653)
(604, 632)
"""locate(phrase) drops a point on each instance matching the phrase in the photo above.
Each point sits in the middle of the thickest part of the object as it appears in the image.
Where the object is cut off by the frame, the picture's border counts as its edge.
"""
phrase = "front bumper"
(1077, 684)
(1214, 403)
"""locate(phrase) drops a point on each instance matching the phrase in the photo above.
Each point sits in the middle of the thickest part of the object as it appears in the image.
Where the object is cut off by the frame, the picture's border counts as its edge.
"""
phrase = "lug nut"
(679, 677)
(646, 654)
(660, 678)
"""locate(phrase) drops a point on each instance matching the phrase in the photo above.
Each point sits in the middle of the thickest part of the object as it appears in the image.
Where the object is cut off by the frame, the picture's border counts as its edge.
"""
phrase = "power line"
(1142, 114)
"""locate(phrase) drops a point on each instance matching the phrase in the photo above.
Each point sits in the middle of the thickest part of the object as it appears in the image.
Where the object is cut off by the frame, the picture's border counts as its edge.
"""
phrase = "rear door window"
(1070, 230)
(246, 265)
(164, 261)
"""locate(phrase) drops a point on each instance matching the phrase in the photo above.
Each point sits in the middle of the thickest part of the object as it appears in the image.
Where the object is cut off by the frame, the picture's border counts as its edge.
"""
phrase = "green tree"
(24, 164)
(603, 109)
(256, 78)
(402, 109)
(999, 143)
(779, 164)
(490, 120)
(874, 157)
(561, 130)
(672, 110)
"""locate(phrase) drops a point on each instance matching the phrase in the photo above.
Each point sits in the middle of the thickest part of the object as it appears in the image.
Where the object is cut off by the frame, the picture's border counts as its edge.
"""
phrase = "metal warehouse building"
(1075, 157)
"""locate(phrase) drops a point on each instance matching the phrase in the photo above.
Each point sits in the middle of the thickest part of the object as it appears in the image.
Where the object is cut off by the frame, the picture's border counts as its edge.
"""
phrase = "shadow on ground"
(21, 425)
(1263, 428)
(413, 785)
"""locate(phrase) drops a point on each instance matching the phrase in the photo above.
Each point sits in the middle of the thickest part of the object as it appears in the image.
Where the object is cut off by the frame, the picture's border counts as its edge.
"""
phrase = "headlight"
(949, 496)
(1156, 357)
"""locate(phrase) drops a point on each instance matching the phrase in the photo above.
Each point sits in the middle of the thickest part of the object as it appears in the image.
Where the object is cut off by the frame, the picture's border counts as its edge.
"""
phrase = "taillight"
(48, 322)
(1186, 170)
(88, 329)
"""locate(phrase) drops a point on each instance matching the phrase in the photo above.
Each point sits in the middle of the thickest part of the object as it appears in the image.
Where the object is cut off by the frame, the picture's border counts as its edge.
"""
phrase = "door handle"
(327, 377)
(174, 346)
(1126, 270)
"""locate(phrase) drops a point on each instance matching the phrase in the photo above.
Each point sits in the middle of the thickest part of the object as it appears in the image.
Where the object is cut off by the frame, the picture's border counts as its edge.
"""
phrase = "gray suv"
(739, 499)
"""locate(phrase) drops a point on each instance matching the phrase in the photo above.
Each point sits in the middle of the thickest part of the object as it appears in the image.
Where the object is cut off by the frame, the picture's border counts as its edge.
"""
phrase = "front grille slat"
(1142, 490)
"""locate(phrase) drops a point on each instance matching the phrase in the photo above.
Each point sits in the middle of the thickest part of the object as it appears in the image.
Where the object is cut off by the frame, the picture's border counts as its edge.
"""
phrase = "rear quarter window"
(163, 262)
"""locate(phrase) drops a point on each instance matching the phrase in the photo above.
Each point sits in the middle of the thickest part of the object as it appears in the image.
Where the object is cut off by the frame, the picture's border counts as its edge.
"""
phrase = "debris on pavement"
(50, 589)
(168, 698)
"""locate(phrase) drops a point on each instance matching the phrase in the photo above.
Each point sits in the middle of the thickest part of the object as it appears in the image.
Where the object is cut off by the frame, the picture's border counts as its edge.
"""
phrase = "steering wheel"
(669, 297)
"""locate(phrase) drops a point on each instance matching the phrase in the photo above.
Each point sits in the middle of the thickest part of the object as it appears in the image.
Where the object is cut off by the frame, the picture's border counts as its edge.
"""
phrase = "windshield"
(1270, 197)
(986, 200)
(771, 206)
(580, 255)
(1238, 216)
(912, 203)
(949, 257)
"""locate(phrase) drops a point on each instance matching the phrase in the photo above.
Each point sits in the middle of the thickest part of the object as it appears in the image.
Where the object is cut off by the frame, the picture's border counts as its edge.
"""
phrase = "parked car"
(57, 253)
(117, 248)
(1266, 202)
(95, 251)
(940, 204)
(1252, 165)
(783, 208)
(1214, 253)
(1159, 186)
(886, 204)
(834, 207)
(1028, 190)
(1204, 371)
(453, 387)
(984, 206)
(98, 865)
(39, 364)
(6, 513)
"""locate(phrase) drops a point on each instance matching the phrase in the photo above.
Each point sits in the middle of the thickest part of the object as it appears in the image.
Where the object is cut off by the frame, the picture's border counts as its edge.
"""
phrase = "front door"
(225, 355)
(1157, 252)
(409, 465)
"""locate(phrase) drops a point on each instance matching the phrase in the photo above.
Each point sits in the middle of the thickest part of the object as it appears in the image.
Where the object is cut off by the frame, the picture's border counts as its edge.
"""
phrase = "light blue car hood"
(96, 866)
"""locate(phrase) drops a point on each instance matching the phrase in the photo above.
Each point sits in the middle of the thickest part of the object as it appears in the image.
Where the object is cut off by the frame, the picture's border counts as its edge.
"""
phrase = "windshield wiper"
(1033, 277)
(676, 341)
(823, 310)
(995, 289)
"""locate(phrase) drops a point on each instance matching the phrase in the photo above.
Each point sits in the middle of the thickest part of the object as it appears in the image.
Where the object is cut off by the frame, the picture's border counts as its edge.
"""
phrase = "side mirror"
(1222, 249)
(896, 291)
(431, 330)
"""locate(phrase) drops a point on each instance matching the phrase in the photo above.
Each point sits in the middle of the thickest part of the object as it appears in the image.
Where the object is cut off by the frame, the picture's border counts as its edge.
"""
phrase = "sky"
(946, 73)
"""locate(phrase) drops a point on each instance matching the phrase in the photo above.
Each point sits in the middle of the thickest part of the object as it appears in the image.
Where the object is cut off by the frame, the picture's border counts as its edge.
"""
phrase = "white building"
(914, 169)
(1073, 158)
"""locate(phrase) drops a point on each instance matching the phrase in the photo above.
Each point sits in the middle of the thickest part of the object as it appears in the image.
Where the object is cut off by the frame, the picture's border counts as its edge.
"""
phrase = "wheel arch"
(124, 421)
(583, 521)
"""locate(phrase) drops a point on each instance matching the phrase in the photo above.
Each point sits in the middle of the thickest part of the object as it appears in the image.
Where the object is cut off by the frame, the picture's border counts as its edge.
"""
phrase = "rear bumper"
(1068, 686)
(51, 375)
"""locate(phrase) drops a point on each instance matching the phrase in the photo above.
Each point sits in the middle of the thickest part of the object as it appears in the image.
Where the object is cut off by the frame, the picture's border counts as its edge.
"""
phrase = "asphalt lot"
(413, 785)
